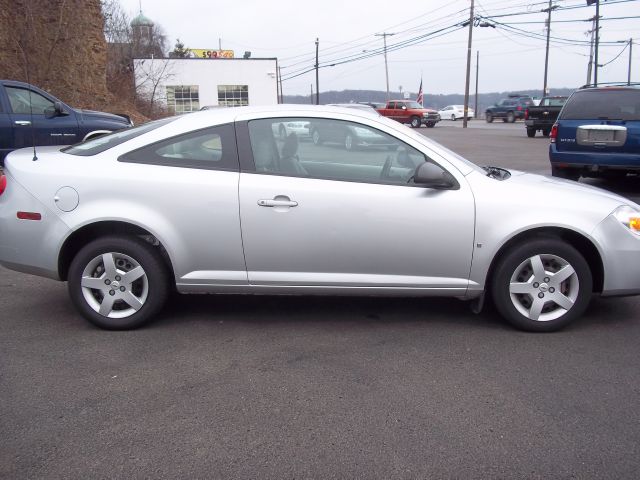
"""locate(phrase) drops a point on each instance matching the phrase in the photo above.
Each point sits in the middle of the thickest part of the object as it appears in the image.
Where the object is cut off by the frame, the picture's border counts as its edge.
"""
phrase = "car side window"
(331, 150)
(24, 101)
(212, 148)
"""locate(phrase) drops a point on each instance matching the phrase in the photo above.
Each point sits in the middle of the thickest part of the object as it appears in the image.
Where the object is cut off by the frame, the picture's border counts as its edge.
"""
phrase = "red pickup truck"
(409, 111)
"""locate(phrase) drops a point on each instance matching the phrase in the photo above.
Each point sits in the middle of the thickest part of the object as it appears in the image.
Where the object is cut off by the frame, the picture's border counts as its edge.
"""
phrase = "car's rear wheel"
(567, 173)
(118, 282)
(415, 122)
(531, 132)
(542, 285)
(431, 124)
(488, 117)
(546, 132)
(511, 117)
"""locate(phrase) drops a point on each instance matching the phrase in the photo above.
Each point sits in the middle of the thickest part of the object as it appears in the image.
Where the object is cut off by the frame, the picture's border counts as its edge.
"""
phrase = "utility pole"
(595, 70)
(317, 77)
(546, 55)
(466, 87)
(590, 66)
(475, 107)
(311, 94)
(281, 97)
(384, 36)
(629, 74)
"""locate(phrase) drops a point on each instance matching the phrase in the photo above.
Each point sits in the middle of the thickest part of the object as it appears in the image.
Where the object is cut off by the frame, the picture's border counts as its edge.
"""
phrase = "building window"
(233, 95)
(183, 98)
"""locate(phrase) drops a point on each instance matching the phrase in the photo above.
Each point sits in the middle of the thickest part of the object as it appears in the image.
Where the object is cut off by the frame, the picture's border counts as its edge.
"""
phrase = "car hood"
(545, 198)
(93, 114)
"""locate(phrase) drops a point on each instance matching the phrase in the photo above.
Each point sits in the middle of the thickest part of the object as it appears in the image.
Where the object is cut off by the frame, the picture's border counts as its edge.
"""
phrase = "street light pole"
(595, 67)
(475, 107)
(629, 74)
(384, 36)
(466, 87)
(317, 77)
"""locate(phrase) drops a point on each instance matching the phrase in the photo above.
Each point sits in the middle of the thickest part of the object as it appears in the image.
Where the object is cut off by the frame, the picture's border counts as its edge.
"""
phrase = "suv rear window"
(603, 104)
(105, 142)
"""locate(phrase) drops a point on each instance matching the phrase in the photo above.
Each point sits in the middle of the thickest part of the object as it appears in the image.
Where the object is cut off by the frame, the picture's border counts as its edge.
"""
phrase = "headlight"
(629, 217)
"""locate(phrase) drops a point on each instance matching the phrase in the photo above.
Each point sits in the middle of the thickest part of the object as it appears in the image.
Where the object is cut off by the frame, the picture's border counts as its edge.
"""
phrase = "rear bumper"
(539, 124)
(594, 161)
(29, 246)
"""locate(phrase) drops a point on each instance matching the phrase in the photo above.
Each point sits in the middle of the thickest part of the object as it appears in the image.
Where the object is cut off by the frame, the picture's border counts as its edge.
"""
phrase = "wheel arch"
(578, 241)
(79, 238)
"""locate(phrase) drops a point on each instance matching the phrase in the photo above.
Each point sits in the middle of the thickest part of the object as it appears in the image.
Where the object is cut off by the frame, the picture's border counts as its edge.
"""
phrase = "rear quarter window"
(604, 104)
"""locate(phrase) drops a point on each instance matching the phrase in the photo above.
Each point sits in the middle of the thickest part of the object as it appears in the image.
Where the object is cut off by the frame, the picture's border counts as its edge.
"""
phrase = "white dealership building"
(188, 84)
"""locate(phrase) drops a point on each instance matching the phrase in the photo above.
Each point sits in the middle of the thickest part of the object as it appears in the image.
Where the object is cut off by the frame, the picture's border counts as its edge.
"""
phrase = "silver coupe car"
(221, 201)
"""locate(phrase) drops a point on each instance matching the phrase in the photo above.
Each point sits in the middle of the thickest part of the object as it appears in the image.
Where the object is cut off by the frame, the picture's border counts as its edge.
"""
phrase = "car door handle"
(22, 122)
(277, 203)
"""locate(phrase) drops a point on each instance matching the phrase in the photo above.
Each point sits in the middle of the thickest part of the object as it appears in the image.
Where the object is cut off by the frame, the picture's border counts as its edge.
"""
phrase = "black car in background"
(509, 109)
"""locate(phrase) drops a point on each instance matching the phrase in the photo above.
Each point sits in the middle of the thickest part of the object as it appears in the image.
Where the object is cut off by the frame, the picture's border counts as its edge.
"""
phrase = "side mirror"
(56, 111)
(432, 176)
(404, 107)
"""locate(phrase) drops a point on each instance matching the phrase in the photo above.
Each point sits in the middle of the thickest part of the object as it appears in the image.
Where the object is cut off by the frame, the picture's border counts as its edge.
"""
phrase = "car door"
(316, 216)
(6, 130)
(31, 125)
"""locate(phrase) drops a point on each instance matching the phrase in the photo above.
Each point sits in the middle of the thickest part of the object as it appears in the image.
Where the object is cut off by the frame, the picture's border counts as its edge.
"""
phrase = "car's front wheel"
(118, 282)
(488, 117)
(542, 285)
(511, 117)
(415, 122)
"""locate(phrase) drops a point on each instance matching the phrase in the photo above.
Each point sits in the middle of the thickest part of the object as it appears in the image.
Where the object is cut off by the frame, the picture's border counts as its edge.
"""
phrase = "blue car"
(30, 116)
(597, 134)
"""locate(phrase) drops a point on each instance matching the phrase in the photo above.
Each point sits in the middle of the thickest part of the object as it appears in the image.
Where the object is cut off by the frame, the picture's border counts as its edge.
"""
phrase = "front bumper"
(620, 256)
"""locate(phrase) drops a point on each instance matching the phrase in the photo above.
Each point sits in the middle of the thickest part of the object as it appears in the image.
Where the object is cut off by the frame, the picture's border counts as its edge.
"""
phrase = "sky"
(428, 41)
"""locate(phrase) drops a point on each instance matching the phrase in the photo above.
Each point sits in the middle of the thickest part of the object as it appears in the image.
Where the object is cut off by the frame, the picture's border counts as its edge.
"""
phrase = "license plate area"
(601, 135)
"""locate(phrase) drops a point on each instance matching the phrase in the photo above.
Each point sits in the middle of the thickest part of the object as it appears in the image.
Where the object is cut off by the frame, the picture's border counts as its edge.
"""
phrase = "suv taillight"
(554, 133)
(3, 183)
(526, 113)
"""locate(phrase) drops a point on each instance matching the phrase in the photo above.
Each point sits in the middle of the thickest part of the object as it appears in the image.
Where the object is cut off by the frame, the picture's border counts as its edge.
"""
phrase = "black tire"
(511, 117)
(128, 253)
(504, 120)
(431, 124)
(488, 117)
(566, 173)
(515, 271)
(453, 117)
(415, 122)
(546, 132)
(531, 132)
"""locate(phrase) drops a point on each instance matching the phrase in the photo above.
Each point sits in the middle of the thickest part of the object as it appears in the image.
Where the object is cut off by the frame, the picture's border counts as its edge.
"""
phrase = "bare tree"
(151, 75)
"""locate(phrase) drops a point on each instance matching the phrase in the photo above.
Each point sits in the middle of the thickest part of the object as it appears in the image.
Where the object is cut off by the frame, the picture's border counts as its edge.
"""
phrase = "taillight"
(519, 108)
(526, 114)
(554, 133)
(3, 183)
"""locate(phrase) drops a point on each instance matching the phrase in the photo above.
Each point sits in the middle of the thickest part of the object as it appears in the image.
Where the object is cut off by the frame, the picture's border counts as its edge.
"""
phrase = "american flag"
(420, 98)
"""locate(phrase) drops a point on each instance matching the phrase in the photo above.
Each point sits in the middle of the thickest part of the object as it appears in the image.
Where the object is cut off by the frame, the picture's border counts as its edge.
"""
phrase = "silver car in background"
(221, 202)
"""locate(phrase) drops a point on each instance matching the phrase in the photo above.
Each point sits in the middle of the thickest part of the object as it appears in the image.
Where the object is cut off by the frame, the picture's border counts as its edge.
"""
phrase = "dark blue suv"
(597, 134)
(30, 116)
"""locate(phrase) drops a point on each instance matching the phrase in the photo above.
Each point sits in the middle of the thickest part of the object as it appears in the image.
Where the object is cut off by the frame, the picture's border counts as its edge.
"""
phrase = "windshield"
(413, 105)
(105, 142)
(605, 104)
(553, 102)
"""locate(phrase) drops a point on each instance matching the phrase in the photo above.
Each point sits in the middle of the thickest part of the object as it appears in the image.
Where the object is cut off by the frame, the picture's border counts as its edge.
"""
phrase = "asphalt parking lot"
(315, 387)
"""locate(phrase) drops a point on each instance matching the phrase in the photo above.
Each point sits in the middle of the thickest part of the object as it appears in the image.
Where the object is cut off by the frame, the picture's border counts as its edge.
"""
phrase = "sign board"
(407, 95)
(204, 53)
